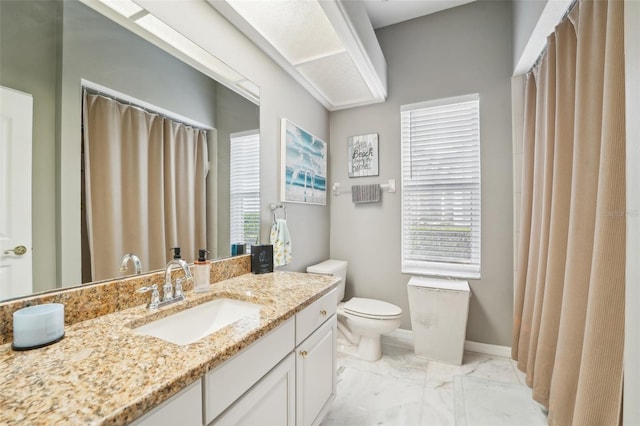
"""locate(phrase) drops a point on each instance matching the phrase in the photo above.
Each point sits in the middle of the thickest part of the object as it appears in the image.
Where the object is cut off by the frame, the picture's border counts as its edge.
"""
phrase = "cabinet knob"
(323, 312)
(303, 354)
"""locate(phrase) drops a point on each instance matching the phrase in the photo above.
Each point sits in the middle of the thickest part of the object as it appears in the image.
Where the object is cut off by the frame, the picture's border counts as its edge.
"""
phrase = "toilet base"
(360, 336)
(368, 348)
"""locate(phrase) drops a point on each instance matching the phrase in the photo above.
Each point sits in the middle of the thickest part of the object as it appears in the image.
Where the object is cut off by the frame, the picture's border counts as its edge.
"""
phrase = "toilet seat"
(371, 308)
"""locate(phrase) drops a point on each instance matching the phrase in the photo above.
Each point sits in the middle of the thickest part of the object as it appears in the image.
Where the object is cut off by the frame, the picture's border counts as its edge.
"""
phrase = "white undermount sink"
(193, 324)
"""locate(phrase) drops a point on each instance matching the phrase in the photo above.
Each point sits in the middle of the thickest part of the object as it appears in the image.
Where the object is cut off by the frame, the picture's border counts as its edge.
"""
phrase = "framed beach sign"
(304, 166)
(363, 155)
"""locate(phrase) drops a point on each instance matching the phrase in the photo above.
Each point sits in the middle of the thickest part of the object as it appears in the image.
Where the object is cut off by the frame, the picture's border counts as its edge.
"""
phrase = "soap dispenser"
(201, 272)
(176, 252)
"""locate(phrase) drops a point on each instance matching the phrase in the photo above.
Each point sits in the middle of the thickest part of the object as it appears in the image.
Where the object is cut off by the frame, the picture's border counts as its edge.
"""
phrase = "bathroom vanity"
(273, 367)
(286, 377)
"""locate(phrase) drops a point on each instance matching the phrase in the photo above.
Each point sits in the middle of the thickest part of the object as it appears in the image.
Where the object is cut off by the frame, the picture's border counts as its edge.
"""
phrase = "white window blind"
(245, 187)
(441, 187)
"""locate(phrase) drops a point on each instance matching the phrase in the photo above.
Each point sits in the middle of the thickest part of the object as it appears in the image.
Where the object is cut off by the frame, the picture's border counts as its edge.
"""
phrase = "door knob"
(304, 354)
(17, 250)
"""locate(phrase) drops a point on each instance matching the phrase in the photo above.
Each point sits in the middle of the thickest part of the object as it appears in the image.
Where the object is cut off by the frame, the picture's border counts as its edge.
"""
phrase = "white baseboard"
(404, 338)
(487, 349)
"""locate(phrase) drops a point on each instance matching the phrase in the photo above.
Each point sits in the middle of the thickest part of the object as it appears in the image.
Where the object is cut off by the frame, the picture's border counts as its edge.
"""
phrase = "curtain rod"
(544, 50)
(106, 92)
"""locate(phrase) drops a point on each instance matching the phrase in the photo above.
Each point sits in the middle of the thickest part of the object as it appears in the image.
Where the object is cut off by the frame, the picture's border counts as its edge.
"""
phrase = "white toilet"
(361, 321)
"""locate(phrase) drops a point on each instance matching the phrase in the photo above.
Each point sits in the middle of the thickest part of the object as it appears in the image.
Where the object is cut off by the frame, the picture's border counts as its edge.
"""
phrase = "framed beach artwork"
(304, 166)
(363, 155)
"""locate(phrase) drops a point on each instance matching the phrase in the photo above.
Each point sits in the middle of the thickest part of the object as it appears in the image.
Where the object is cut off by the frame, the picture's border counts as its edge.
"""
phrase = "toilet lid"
(372, 308)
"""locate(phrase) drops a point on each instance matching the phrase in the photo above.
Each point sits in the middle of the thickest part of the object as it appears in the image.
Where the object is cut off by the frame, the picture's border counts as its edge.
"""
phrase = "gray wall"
(459, 51)
(525, 17)
(29, 33)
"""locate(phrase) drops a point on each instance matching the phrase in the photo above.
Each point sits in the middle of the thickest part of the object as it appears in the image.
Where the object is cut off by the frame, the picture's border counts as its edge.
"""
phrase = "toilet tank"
(332, 267)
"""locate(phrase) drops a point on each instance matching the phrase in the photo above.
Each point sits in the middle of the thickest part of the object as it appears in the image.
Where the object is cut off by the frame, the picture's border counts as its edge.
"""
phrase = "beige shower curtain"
(569, 308)
(145, 186)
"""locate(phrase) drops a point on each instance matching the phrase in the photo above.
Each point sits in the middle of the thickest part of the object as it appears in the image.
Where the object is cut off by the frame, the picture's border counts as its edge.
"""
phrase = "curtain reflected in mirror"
(154, 170)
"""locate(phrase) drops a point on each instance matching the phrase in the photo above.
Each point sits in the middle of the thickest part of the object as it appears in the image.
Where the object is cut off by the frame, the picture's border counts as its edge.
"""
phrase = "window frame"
(427, 265)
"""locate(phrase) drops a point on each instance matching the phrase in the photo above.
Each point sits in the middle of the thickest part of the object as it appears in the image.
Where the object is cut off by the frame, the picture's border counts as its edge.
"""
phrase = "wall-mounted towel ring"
(275, 207)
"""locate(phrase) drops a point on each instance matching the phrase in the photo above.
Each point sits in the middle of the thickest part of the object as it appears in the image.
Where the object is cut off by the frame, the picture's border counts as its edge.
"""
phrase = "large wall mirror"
(48, 48)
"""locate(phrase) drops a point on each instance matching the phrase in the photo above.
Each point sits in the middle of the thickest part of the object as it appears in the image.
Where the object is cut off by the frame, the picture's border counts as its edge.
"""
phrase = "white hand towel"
(281, 241)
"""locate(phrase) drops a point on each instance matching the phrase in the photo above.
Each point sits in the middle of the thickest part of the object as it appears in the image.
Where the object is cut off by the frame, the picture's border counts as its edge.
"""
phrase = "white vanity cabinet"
(271, 401)
(316, 359)
(184, 408)
(316, 374)
(226, 386)
(299, 390)
(287, 377)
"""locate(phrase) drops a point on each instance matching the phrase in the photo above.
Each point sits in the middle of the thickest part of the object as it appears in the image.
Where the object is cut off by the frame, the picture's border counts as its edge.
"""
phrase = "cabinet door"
(229, 381)
(316, 374)
(270, 402)
(184, 408)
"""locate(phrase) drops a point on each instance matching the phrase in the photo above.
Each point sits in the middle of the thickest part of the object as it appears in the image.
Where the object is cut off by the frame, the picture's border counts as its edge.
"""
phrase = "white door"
(16, 117)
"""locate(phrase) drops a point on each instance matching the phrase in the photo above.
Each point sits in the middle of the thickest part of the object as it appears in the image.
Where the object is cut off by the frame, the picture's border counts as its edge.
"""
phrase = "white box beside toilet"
(439, 310)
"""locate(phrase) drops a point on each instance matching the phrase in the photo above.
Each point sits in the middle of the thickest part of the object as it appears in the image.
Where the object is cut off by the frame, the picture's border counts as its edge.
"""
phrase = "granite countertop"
(102, 372)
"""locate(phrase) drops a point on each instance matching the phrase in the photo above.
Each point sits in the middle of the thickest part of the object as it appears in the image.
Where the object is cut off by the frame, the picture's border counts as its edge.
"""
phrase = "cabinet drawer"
(184, 408)
(315, 314)
(229, 381)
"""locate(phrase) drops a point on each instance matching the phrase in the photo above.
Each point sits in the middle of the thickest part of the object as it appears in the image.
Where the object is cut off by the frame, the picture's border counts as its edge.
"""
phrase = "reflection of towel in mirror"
(281, 243)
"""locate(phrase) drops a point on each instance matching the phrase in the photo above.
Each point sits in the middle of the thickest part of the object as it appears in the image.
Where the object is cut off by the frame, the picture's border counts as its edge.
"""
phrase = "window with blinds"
(441, 187)
(245, 187)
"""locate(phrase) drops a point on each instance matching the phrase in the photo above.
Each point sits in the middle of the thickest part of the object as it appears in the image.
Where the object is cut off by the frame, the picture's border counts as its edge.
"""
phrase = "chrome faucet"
(169, 296)
(176, 263)
(136, 263)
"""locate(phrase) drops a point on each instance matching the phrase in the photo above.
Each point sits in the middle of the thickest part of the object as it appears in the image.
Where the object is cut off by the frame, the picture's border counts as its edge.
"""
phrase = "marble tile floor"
(403, 390)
